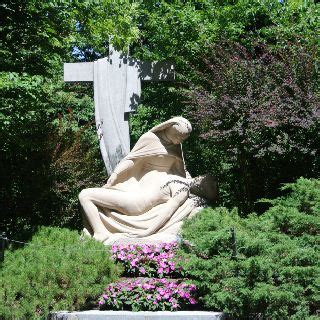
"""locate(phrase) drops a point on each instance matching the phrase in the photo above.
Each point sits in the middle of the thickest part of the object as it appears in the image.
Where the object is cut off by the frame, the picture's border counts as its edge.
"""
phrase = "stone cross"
(117, 89)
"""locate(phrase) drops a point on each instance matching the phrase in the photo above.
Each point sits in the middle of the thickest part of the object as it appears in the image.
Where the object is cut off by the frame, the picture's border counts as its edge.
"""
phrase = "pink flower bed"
(148, 260)
(148, 294)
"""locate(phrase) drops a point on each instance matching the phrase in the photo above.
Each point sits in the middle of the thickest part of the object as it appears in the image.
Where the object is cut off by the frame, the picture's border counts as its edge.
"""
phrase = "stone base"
(118, 239)
(141, 315)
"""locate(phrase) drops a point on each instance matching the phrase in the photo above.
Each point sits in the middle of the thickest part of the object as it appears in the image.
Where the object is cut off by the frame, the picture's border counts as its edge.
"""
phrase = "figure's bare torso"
(154, 188)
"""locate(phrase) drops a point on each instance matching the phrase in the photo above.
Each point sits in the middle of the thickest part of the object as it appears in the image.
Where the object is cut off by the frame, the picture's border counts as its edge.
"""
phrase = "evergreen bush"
(57, 270)
(271, 269)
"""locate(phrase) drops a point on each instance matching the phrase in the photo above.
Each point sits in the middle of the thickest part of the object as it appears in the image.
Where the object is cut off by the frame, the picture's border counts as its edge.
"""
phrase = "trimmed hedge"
(275, 270)
(57, 271)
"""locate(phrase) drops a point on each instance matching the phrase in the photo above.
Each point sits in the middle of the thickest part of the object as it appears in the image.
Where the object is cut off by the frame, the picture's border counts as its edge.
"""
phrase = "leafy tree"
(47, 143)
(38, 36)
(258, 113)
(49, 149)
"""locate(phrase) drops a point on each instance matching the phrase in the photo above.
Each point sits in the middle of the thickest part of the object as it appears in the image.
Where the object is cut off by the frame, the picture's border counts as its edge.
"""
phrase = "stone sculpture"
(148, 194)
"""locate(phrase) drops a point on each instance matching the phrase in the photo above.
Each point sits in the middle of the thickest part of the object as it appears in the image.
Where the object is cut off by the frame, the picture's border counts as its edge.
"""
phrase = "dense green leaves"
(275, 271)
(49, 149)
(258, 112)
(56, 271)
(47, 140)
(182, 29)
(38, 36)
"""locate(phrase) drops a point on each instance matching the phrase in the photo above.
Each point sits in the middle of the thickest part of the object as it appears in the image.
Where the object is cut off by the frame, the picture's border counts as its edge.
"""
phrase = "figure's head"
(205, 186)
(176, 129)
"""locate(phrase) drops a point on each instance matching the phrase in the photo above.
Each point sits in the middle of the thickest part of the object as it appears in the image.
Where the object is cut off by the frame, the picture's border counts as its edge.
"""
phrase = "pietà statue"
(148, 195)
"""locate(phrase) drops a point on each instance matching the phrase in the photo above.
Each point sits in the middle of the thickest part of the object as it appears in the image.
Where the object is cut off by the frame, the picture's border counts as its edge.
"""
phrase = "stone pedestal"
(141, 315)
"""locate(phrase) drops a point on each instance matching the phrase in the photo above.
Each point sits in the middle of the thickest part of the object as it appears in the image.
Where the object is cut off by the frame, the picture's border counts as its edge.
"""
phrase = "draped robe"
(149, 153)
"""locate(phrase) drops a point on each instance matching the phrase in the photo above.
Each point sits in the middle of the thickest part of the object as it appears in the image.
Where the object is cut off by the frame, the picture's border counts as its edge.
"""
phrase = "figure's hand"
(111, 180)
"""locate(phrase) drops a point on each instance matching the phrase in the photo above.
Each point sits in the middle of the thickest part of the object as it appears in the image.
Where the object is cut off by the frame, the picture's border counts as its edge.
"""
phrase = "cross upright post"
(117, 89)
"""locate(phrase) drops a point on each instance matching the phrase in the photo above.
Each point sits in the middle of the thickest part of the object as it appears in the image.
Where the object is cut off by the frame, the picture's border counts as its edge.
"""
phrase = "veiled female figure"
(148, 191)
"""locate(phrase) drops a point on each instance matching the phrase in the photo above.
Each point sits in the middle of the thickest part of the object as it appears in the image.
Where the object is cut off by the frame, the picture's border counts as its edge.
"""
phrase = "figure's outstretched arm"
(120, 168)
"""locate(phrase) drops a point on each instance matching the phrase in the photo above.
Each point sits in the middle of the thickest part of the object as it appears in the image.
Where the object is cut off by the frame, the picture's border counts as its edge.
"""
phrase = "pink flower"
(142, 270)
(192, 301)
(161, 291)
(120, 256)
(146, 286)
(193, 286)
(160, 270)
(181, 293)
(166, 296)
(148, 296)
(146, 250)
(172, 285)
(105, 296)
(101, 302)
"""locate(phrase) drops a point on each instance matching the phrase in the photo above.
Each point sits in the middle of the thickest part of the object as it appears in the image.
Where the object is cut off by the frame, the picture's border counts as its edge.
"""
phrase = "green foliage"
(259, 156)
(56, 271)
(38, 36)
(296, 214)
(48, 140)
(182, 29)
(275, 270)
(49, 149)
(258, 113)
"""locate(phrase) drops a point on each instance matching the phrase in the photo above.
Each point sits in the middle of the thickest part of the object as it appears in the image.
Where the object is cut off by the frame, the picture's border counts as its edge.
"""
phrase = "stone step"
(141, 315)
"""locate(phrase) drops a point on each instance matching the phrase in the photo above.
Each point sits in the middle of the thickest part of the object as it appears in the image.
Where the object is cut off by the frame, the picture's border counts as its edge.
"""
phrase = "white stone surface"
(142, 315)
(74, 72)
(111, 95)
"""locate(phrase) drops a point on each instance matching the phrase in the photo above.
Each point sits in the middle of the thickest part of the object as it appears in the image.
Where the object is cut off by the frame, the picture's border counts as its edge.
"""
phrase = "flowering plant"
(148, 260)
(148, 294)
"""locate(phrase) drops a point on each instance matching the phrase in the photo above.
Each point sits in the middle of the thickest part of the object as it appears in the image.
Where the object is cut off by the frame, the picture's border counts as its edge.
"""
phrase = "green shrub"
(48, 153)
(257, 111)
(275, 269)
(57, 271)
